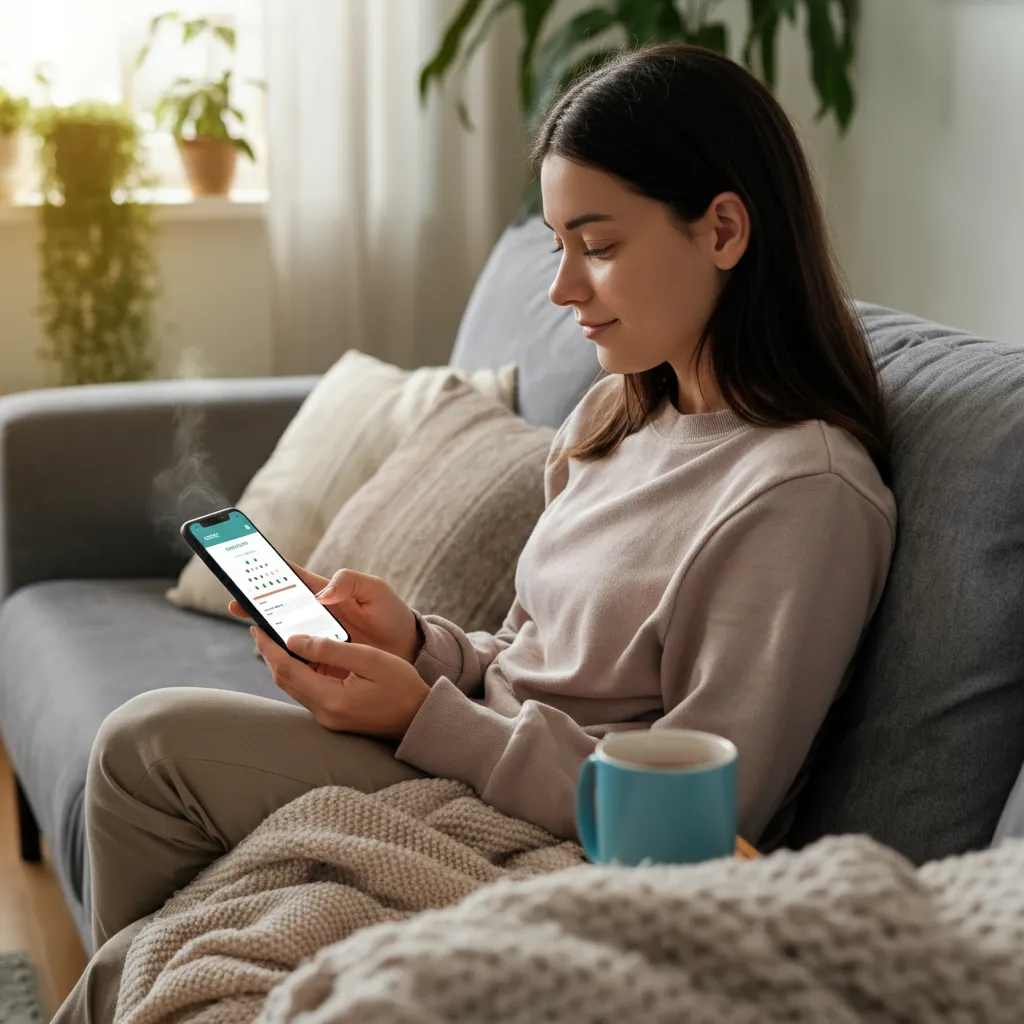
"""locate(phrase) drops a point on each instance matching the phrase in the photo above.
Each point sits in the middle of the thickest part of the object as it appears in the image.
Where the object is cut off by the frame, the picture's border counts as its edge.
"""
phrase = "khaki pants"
(179, 777)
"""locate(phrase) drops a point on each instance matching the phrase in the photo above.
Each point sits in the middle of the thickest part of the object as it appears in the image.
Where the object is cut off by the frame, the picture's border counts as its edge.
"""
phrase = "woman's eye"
(595, 252)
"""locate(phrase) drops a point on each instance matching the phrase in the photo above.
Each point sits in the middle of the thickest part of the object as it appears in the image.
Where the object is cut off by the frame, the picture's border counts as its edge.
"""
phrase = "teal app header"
(234, 527)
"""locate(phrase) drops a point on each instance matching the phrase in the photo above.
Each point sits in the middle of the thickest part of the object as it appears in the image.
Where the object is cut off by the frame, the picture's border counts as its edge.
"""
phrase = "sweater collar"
(694, 428)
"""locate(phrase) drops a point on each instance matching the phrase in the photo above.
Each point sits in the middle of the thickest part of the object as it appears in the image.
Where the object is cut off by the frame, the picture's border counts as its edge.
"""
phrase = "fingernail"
(327, 593)
(298, 642)
(252, 631)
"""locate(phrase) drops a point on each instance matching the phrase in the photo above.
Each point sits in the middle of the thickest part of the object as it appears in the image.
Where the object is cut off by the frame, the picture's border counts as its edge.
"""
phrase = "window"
(87, 48)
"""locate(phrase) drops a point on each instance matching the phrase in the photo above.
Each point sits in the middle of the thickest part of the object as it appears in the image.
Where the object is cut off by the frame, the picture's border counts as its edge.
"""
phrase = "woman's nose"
(568, 288)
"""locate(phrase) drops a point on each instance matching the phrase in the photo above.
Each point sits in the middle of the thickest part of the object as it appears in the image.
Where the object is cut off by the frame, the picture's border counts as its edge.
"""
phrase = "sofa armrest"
(95, 480)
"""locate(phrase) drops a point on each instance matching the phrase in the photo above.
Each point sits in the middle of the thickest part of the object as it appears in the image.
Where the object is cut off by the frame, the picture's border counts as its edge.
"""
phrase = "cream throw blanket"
(845, 931)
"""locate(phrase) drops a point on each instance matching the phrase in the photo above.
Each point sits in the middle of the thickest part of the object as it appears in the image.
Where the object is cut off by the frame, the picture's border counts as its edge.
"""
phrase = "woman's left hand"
(348, 687)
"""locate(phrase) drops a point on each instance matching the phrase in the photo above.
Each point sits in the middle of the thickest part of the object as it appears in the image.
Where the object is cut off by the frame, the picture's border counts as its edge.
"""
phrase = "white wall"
(924, 193)
(216, 299)
(922, 196)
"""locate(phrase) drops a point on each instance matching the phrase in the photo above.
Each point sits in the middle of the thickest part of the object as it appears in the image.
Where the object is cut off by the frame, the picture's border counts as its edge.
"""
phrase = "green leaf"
(561, 45)
(582, 67)
(534, 13)
(562, 49)
(647, 21)
(193, 28)
(156, 21)
(154, 27)
(449, 48)
(831, 59)
(851, 23)
(762, 33)
(227, 35)
(186, 112)
(468, 51)
(244, 146)
(712, 37)
(786, 8)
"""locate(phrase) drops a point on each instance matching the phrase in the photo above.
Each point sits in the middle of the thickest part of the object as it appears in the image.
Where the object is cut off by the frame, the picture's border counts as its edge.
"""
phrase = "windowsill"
(173, 206)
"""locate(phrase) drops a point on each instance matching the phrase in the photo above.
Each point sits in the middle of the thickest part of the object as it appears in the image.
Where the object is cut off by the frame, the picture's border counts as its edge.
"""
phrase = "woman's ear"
(729, 224)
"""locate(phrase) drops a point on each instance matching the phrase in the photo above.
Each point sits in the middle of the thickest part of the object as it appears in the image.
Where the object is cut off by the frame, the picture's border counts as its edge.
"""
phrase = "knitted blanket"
(843, 931)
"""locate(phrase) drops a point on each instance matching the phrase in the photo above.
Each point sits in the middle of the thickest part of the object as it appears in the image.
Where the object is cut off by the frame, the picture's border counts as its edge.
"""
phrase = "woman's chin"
(611, 362)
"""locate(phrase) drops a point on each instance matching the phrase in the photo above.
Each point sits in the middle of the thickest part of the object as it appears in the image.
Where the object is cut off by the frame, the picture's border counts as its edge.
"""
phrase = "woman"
(717, 533)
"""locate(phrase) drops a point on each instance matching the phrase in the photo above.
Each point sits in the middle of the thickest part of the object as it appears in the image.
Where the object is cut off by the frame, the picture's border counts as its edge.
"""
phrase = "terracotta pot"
(209, 165)
(10, 153)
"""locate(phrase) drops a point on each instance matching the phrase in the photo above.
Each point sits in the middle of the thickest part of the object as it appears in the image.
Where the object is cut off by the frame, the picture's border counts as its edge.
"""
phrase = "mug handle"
(586, 824)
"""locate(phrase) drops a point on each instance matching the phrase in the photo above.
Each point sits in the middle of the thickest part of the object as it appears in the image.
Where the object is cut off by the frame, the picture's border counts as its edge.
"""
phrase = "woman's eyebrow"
(583, 218)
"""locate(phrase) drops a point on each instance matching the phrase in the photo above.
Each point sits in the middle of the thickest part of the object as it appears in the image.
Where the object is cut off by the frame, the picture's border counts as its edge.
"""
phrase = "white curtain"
(381, 211)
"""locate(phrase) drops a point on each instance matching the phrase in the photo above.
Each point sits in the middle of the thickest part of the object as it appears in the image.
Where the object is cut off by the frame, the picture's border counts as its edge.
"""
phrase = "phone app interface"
(266, 578)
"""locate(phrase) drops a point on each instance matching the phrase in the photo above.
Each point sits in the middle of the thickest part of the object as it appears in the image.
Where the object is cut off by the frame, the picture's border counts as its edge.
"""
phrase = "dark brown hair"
(681, 124)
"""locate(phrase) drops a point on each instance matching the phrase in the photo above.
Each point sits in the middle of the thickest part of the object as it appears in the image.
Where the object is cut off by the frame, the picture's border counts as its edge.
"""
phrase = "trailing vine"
(98, 272)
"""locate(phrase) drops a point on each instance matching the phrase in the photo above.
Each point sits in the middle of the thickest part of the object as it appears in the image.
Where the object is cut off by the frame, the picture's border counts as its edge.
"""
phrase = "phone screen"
(266, 578)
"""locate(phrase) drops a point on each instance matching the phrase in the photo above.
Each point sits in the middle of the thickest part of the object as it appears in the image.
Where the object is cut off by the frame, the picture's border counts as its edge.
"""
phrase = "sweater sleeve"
(463, 658)
(765, 622)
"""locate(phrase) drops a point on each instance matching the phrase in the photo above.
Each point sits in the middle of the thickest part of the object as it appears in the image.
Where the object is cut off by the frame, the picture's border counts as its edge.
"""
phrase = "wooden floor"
(33, 915)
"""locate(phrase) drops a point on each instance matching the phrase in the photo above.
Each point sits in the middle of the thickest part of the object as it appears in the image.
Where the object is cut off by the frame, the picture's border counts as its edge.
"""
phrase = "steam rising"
(189, 487)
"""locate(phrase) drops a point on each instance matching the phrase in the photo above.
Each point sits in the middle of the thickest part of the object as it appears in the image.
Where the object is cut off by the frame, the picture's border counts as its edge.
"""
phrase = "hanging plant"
(14, 111)
(99, 276)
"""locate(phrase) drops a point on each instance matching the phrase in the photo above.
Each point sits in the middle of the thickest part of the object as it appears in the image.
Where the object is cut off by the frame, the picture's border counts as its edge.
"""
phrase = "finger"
(358, 658)
(348, 585)
(315, 582)
(238, 611)
(297, 680)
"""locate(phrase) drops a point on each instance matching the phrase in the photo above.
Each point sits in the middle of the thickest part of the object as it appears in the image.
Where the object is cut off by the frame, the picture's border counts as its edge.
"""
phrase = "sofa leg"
(31, 852)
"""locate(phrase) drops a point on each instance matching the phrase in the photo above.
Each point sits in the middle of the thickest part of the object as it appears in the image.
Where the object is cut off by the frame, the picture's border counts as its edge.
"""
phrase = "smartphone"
(259, 579)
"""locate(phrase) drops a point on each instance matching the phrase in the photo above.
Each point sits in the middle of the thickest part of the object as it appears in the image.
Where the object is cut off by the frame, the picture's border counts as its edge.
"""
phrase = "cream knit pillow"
(445, 518)
(356, 416)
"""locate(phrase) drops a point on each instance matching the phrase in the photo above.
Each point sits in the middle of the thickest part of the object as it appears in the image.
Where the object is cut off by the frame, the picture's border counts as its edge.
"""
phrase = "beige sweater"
(707, 575)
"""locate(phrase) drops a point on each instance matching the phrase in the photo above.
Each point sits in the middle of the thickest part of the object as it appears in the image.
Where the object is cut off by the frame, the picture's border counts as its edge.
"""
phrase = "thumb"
(347, 585)
(364, 661)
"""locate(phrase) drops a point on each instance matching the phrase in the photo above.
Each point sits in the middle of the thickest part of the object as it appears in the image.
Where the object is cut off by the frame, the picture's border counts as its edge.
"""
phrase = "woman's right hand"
(371, 612)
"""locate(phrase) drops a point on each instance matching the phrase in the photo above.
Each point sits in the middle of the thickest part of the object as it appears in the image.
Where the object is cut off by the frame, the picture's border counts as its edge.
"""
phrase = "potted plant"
(98, 274)
(199, 112)
(14, 112)
(549, 61)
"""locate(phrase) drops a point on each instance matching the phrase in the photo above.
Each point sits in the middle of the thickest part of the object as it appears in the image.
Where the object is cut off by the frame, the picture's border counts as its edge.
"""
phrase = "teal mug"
(662, 796)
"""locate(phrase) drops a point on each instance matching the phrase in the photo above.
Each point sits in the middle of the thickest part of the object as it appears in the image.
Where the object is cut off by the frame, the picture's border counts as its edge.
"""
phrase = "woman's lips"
(593, 331)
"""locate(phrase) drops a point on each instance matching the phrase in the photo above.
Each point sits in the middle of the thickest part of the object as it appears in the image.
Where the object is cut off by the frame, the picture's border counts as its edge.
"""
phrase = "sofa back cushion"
(509, 319)
(923, 751)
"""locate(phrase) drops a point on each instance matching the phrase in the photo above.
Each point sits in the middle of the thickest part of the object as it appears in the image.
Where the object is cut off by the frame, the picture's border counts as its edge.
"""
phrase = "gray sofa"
(924, 753)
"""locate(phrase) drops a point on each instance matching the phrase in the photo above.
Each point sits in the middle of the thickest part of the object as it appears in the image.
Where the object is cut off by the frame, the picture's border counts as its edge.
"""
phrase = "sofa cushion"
(357, 414)
(924, 750)
(509, 319)
(447, 515)
(76, 650)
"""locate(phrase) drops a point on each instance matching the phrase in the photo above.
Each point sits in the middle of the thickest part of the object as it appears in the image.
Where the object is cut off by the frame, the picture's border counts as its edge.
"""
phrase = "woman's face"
(642, 285)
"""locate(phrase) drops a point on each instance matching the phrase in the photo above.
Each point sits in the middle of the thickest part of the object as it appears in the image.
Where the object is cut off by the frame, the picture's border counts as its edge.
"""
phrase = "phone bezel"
(211, 519)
